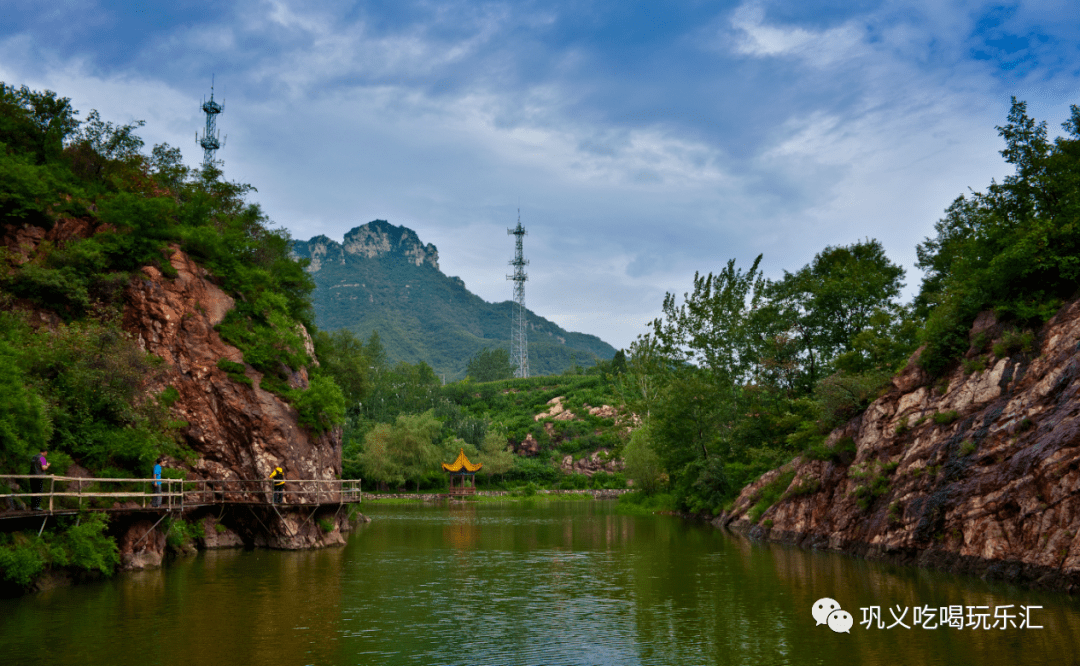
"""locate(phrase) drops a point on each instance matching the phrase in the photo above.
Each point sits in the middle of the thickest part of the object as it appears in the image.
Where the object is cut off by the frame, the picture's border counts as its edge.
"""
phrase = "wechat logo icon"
(828, 611)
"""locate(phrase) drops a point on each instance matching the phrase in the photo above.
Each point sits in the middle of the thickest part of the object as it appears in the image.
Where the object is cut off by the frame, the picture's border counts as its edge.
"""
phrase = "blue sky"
(643, 141)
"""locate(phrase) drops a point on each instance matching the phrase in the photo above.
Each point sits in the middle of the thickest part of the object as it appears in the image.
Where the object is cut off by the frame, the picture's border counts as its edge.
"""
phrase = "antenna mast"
(210, 140)
(519, 343)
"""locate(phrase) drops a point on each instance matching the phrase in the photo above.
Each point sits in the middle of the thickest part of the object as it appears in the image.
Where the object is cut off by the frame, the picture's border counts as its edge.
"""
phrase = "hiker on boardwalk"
(278, 477)
(157, 483)
(38, 466)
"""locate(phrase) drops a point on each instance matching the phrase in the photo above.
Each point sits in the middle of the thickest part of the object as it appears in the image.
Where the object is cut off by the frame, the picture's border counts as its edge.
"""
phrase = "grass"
(639, 503)
(874, 482)
(772, 493)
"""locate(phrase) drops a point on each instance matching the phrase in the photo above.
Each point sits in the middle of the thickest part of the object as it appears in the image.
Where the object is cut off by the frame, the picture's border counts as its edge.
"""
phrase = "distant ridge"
(382, 277)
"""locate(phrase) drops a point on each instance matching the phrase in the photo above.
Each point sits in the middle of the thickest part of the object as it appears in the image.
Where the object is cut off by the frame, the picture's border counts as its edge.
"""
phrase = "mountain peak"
(373, 240)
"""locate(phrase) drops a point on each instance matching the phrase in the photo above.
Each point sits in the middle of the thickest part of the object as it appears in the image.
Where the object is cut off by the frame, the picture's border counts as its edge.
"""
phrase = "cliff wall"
(977, 473)
(238, 431)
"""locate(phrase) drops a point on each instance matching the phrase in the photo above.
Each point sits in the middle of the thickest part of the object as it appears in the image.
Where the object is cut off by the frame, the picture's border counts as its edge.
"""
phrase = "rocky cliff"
(978, 472)
(238, 431)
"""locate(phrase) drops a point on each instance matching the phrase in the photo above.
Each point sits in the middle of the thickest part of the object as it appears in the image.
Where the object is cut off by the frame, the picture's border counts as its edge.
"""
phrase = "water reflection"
(569, 583)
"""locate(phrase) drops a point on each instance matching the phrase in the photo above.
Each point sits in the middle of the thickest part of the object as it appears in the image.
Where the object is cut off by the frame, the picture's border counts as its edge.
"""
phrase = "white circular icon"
(840, 621)
(822, 608)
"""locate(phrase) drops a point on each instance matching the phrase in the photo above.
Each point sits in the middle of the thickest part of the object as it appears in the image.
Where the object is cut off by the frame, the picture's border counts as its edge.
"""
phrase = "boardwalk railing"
(65, 493)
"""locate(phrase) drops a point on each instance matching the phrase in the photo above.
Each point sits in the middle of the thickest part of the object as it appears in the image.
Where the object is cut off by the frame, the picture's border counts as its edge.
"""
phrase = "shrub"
(21, 561)
(902, 425)
(873, 482)
(574, 482)
(894, 514)
(326, 525)
(322, 405)
(805, 487)
(88, 547)
(973, 365)
(770, 494)
(235, 371)
(843, 448)
(84, 548)
(966, 447)
(180, 533)
(1012, 342)
(945, 418)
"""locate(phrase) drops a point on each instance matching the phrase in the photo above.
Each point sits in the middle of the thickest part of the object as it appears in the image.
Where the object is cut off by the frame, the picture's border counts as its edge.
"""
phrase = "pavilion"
(465, 473)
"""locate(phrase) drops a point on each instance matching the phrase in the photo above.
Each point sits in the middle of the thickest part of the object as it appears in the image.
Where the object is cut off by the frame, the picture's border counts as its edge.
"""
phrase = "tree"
(640, 383)
(1014, 248)
(490, 364)
(342, 356)
(642, 462)
(710, 328)
(378, 459)
(495, 455)
(413, 445)
(830, 301)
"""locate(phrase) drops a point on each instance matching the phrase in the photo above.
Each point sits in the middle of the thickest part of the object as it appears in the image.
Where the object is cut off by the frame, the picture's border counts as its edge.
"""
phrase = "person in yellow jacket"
(278, 477)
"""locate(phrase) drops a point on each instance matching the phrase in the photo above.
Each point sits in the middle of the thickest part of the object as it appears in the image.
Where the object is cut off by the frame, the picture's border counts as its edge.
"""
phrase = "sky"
(641, 141)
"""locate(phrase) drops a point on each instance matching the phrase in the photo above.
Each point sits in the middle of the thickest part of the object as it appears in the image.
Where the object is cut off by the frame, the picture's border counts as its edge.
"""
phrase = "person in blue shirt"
(157, 483)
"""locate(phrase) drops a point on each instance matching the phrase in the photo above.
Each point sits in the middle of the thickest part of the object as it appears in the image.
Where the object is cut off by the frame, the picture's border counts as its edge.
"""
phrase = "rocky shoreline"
(975, 473)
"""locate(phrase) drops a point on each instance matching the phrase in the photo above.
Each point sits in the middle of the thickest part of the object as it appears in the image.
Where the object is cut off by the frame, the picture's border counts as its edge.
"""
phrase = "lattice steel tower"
(210, 140)
(519, 340)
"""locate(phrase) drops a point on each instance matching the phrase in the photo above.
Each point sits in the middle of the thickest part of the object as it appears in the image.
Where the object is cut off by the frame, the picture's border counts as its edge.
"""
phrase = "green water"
(514, 583)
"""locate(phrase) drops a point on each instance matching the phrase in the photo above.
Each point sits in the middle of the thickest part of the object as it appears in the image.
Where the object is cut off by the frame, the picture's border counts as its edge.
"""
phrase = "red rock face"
(239, 432)
(994, 490)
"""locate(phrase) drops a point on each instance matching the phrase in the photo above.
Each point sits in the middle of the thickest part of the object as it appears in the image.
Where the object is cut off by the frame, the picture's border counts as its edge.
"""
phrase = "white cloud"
(818, 48)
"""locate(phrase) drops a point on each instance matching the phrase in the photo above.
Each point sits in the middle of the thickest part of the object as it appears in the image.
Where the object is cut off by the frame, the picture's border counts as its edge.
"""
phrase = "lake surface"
(523, 583)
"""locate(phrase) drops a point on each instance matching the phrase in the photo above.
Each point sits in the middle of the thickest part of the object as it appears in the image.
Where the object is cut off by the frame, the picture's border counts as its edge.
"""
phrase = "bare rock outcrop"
(598, 461)
(141, 546)
(979, 473)
(238, 431)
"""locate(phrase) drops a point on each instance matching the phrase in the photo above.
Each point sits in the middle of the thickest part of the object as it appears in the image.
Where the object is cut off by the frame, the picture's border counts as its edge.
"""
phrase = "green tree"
(495, 454)
(1014, 248)
(490, 364)
(642, 462)
(829, 302)
(378, 460)
(415, 445)
(342, 356)
(639, 385)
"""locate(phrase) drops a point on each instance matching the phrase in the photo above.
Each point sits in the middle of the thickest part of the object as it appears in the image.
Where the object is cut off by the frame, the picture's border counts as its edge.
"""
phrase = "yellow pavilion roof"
(462, 464)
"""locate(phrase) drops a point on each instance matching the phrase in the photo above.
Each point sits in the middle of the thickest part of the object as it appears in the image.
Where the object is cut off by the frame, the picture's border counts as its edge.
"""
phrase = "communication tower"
(519, 341)
(210, 140)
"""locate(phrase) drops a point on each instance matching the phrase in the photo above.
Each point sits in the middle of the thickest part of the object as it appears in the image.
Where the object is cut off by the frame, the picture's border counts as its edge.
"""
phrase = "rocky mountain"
(978, 472)
(381, 277)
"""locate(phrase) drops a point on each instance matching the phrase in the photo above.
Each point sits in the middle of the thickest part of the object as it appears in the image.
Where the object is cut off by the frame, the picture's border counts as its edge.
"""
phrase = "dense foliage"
(1014, 248)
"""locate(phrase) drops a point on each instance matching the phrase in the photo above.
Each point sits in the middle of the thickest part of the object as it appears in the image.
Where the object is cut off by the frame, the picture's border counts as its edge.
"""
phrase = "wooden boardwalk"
(65, 495)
